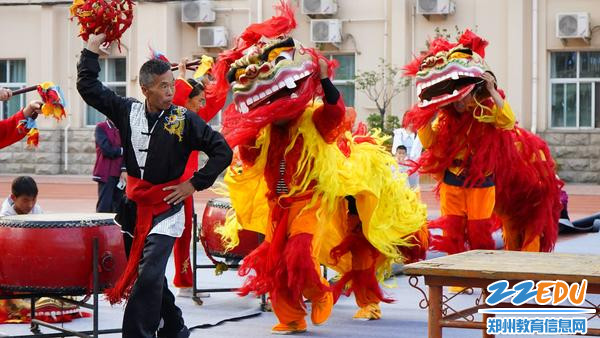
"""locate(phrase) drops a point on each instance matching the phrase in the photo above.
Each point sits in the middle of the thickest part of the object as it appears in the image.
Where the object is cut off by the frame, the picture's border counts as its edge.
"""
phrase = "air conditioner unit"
(326, 31)
(311, 7)
(573, 25)
(213, 36)
(430, 7)
(199, 11)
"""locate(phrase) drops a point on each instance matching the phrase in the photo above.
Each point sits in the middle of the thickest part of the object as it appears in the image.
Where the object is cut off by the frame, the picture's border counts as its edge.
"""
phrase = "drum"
(53, 253)
(214, 216)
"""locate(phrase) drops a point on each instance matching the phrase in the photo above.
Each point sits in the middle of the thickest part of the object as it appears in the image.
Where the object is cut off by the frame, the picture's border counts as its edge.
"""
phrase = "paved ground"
(400, 319)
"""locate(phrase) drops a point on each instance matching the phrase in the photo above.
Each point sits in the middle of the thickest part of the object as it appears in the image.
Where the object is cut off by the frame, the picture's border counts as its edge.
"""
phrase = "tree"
(381, 86)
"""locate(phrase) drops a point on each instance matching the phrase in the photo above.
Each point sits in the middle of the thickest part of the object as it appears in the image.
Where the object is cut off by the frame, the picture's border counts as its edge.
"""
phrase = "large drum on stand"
(214, 216)
(53, 253)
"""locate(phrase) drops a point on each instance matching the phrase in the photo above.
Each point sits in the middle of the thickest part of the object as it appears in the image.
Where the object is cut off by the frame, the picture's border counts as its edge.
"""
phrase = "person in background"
(401, 155)
(108, 169)
(23, 198)
(189, 93)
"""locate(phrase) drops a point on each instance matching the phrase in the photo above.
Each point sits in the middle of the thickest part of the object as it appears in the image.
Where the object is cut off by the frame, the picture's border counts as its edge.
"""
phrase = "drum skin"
(53, 252)
(214, 215)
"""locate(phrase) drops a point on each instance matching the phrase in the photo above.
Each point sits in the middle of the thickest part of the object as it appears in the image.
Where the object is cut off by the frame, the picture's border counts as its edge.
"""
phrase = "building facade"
(551, 82)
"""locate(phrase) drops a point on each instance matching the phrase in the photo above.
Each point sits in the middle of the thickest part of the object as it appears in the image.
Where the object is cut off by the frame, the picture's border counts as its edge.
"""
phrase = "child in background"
(22, 199)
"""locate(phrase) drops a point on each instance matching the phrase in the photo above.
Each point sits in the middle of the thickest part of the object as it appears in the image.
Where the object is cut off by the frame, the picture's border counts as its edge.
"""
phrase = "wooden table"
(479, 268)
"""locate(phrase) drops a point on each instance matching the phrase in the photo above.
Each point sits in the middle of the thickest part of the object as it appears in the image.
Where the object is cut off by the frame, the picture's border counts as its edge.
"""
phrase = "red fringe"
(259, 283)
(474, 42)
(453, 239)
(418, 250)
(360, 280)
(299, 271)
(479, 233)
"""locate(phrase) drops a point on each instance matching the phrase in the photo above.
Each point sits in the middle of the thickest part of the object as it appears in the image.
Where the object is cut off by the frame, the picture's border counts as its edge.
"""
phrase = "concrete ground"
(403, 318)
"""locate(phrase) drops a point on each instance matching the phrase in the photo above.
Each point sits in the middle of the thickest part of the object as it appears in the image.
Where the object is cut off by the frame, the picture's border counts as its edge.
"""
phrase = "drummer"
(9, 133)
(157, 138)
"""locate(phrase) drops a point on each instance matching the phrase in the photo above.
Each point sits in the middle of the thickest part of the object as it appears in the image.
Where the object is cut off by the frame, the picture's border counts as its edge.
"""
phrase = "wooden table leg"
(486, 316)
(484, 331)
(435, 311)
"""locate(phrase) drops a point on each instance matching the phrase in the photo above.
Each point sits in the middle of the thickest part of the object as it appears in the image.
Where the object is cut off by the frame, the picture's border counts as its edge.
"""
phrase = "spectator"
(22, 199)
(108, 170)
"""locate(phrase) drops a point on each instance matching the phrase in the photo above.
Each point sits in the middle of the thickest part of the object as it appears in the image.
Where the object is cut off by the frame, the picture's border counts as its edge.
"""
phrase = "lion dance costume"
(491, 173)
(320, 194)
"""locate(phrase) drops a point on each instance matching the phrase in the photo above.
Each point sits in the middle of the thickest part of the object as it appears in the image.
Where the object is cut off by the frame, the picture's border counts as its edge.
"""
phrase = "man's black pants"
(150, 298)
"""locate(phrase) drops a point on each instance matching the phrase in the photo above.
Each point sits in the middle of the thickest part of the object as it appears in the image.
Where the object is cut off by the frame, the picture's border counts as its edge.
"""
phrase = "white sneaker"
(188, 293)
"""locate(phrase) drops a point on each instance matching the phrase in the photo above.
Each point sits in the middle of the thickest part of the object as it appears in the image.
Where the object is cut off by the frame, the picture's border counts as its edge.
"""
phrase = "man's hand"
(490, 85)
(490, 82)
(33, 109)
(123, 176)
(182, 67)
(5, 94)
(180, 192)
(94, 43)
(323, 68)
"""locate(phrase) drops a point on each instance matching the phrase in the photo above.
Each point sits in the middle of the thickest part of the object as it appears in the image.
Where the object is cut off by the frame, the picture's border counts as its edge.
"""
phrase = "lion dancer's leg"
(302, 275)
(181, 251)
(480, 225)
(514, 239)
(286, 266)
(362, 279)
(452, 222)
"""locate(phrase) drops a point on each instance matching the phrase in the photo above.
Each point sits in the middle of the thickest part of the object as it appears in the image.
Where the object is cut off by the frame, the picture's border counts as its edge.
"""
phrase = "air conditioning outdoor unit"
(435, 7)
(313, 7)
(326, 31)
(198, 11)
(213, 36)
(573, 25)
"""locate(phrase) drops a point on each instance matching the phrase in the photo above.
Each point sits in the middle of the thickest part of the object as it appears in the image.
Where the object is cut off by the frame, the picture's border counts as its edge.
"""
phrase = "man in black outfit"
(157, 139)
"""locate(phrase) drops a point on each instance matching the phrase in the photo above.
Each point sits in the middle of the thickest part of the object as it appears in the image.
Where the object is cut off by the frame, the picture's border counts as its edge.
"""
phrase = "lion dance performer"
(490, 171)
(319, 193)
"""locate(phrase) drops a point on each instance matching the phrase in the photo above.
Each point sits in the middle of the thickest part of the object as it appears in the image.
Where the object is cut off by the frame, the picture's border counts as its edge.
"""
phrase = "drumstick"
(174, 66)
(25, 90)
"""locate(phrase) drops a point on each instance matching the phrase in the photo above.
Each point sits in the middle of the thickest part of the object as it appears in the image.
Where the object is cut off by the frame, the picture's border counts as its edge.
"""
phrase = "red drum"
(54, 252)
(214, 216)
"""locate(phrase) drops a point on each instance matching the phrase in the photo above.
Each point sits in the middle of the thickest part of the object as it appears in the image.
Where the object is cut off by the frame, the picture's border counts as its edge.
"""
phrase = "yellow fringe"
(390, 211)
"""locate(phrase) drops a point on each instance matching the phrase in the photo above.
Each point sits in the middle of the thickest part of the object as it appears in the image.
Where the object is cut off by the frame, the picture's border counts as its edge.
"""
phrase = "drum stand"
(36, 323)
(264, 306)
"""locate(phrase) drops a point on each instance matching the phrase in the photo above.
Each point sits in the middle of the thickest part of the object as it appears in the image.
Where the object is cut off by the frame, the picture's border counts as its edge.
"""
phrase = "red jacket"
(8, 130)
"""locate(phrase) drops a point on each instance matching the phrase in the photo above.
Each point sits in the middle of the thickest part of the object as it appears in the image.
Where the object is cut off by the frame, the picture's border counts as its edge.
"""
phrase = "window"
(12, 76)
(113, 75)
(344, 77)
(575, 90)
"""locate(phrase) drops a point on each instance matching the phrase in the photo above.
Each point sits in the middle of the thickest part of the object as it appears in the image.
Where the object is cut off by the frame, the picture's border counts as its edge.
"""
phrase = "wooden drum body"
(54, 252)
